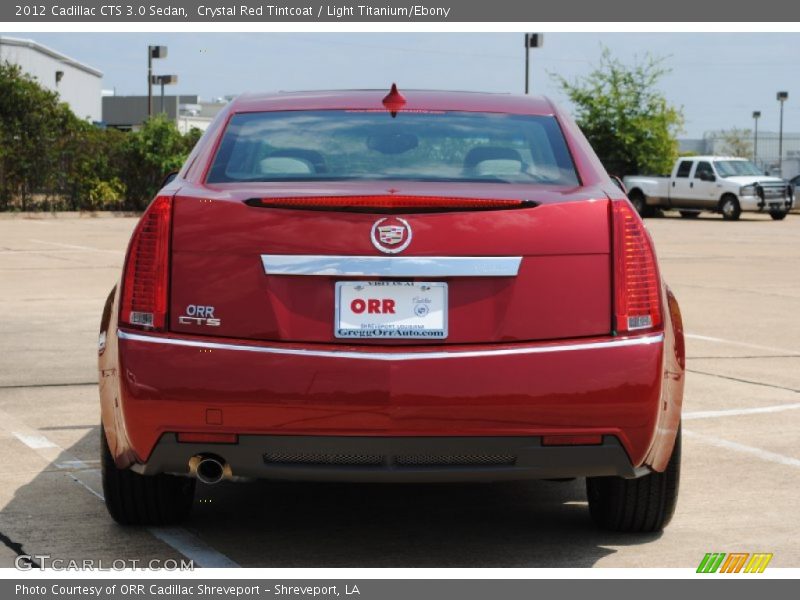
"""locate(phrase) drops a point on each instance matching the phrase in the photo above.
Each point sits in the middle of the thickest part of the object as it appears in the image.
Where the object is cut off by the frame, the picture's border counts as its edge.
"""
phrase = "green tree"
(625, 117)
(33, 124)
(191, 137)
(152, 152)
(735, 142)
(91, 159)
(49, 158)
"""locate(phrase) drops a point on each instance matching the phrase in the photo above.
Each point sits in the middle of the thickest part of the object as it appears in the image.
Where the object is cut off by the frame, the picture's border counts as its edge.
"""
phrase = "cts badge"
(199, 315)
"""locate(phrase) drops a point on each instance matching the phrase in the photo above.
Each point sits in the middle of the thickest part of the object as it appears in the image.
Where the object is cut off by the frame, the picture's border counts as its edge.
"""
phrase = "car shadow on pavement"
(299, 524)
(512, 524)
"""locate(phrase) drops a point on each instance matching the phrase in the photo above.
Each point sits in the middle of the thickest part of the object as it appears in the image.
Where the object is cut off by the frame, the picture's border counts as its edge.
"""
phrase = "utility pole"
(532, 40)
(152, 52)
(756, 116)
(782, 97)
(163, 80)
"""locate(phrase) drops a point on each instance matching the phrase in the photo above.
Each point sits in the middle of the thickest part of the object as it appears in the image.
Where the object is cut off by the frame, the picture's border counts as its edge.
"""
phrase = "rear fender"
(672, 387)
(108, 379)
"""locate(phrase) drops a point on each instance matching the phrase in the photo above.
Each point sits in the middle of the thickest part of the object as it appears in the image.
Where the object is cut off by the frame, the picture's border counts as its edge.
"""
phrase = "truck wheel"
(638, 505)
(637, 199)
(133, 499)
(729, 207)
(689, 214)
(778, 215)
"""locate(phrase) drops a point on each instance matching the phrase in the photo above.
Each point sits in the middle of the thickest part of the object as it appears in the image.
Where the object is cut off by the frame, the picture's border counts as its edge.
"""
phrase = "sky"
(718, 79)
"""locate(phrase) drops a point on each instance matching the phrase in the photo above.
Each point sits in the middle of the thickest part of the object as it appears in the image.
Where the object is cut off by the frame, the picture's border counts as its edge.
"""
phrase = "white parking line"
(708, 338)
(45, 447)
(79, 481)
(737, 447)
(192, 547)
(734, 412)
(181, 540)
(50, 251)
(33, 441)
(75, 247)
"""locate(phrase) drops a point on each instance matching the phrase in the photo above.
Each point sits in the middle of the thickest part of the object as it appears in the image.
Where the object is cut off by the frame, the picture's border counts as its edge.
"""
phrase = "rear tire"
(729, 207)
(778, 215)
(642, 505)
(689, 214)
(640, 204)
(133, 499)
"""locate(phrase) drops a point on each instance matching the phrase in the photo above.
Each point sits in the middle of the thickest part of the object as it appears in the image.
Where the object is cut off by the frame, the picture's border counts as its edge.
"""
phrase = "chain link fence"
(765, 151)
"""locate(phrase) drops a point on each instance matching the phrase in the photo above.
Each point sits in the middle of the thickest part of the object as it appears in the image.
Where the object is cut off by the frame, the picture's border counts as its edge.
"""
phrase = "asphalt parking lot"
(739, 288)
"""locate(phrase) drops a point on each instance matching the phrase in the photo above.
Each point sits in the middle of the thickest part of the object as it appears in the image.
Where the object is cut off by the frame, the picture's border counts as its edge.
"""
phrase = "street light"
(532, 40)
(152, 52)
(163, 80)
(782, 97)
(756, 117)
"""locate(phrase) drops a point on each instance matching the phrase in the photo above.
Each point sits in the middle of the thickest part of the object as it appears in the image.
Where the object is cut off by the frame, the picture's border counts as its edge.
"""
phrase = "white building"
(79, 85)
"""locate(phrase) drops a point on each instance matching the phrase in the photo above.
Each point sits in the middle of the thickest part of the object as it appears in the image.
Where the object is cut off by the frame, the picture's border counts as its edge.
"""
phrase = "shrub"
(51, 159)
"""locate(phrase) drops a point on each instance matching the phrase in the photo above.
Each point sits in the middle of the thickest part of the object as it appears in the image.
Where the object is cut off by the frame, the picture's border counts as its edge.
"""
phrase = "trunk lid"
(561, 289)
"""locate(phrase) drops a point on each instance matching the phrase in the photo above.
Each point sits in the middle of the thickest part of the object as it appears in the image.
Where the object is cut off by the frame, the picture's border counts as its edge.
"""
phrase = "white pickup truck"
(720, 184)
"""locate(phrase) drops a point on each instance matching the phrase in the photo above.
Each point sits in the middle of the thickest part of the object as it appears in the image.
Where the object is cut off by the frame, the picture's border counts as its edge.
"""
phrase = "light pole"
(152, 52)
(163, 80)
(532, 40)
(756, 117)
(782, 97)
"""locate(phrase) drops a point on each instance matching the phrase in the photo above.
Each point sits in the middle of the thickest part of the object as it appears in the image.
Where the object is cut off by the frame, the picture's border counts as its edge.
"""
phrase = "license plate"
(391, 309)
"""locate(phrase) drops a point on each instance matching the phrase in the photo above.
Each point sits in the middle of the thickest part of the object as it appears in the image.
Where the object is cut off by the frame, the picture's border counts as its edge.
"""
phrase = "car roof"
(416, 100)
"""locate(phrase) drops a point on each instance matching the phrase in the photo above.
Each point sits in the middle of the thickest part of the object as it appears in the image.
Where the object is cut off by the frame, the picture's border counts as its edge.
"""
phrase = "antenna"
(394, 101)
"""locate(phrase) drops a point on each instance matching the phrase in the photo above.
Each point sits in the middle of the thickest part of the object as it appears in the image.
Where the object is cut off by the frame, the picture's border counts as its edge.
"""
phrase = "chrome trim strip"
(397, 356)
(391, 266)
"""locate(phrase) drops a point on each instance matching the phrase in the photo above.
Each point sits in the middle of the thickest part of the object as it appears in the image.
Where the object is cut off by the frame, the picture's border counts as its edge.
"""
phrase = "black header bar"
(449, 11)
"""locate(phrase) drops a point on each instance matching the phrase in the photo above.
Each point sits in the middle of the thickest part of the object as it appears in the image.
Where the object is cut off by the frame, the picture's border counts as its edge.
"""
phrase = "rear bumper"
(169, 384)
(396, 459)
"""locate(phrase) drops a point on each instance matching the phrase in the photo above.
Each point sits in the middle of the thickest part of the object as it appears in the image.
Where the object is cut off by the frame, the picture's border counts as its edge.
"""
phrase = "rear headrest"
(312, 157)
(285, 165)
(480, 154)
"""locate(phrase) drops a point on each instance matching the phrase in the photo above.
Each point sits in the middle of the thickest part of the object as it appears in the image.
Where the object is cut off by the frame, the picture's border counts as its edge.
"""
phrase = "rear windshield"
(347, 145)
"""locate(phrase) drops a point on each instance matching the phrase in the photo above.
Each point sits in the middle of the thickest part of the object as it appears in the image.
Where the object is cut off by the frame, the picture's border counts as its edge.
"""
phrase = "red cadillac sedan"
(407, 287)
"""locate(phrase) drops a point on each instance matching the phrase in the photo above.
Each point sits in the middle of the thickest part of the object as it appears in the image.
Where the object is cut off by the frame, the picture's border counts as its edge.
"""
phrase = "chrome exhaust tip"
(209, 469)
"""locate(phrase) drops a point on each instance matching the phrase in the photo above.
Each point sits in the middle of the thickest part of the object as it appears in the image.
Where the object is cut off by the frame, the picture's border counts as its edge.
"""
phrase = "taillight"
(144, 286)
(637, 296)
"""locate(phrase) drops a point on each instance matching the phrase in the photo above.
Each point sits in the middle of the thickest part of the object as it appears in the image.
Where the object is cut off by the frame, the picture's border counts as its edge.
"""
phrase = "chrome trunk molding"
(527, 348)
(391, 266)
